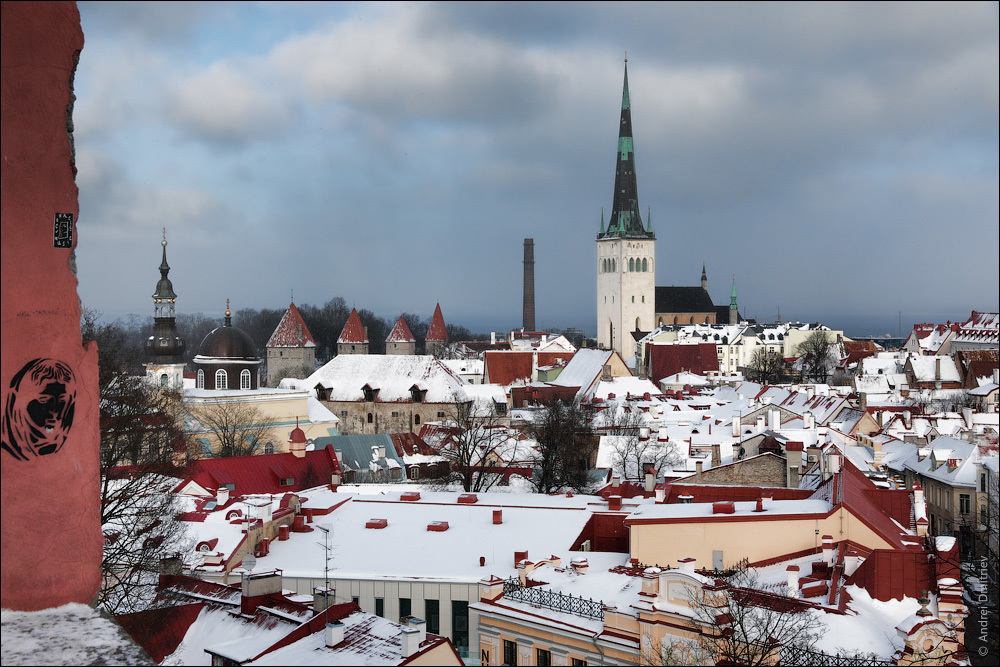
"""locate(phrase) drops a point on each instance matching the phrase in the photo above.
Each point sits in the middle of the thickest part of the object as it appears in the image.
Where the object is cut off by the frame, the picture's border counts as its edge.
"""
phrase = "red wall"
(51, 550)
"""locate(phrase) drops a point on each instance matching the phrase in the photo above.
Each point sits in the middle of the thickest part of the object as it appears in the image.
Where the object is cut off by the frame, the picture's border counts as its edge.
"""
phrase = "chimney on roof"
(222, 496)
(736, 426)
(687, 564)
(528, 314)
(828, 550)
(793, 581)
(716, 453)
(420, 625)
(808, 420)
(616, 481)
(937, 369)
(698, 466)
(497, 517)
(650, 480)
(410, 640)
(775, 417)
(793, 477)
(322, 598)
(334, 633)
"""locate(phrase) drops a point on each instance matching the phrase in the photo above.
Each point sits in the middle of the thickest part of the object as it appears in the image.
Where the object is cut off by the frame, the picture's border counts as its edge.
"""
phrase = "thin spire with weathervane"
(626, 220)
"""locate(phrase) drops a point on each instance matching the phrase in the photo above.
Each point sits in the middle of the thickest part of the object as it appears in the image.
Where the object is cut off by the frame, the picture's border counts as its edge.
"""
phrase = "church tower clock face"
(626, 253)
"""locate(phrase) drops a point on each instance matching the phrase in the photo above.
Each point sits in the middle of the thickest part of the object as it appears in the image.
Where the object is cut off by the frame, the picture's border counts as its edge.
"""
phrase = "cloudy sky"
(840, 161)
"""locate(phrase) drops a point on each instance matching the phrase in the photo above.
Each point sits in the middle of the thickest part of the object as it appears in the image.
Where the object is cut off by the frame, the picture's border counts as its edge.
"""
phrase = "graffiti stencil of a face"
(39, 409)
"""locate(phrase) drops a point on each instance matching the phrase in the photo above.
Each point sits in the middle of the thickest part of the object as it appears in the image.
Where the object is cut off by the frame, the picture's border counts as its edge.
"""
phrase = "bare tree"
(634, 450)
(480, 448)
(819, 358)
(755, 622)
(239, 427)
(765, 367)
(142, 450)
(565, 445)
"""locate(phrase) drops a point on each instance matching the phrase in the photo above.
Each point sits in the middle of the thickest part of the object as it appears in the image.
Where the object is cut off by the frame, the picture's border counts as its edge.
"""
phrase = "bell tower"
(164, 347)
(626, 253)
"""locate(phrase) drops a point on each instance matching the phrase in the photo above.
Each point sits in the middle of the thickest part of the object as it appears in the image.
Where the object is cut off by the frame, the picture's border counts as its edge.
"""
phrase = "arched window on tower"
(221, 379)
(269, 447)
(200, 380)
(637, 324)
(631, 265)
(245, 379)
(645, 266)
(614, 265)
(371, 418)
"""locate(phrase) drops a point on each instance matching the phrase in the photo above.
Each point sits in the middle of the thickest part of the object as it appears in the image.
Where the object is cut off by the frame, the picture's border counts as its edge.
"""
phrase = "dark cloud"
(839, 157)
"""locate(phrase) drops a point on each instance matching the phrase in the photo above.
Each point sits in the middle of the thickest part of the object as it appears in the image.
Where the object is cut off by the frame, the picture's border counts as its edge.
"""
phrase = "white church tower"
(626, 254)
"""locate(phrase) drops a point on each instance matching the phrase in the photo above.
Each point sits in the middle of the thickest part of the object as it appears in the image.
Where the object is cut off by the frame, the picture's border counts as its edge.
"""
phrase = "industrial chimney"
(528, 319)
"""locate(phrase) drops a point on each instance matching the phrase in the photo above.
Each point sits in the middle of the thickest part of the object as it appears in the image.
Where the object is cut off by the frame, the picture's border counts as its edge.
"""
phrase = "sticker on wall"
(62, 230)
(39, 410)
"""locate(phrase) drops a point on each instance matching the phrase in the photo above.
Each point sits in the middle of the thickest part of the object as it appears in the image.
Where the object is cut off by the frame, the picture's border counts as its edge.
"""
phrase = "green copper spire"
(732, 297)
(625, 218)
(602, 220)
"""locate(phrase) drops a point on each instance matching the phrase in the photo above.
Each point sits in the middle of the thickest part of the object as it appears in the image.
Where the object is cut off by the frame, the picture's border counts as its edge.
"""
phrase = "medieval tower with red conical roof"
(353, 339)
(291, 350)
(400, 340)
(436, 342)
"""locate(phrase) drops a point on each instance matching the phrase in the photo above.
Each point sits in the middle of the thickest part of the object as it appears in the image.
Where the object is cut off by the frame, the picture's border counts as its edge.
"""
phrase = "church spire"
(704, 277)
(732, 299)
(625, 217)
(165, 345)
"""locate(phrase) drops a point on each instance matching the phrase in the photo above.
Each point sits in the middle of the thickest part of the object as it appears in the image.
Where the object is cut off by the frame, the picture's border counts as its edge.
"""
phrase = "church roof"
(227, 342)
(626, 220)
(683, 300)
(291, 331)
(437, 331)
(400, 333)
(354, 331)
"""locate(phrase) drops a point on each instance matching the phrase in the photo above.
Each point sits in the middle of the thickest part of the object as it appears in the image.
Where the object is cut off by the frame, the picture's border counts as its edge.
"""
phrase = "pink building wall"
(51, 533)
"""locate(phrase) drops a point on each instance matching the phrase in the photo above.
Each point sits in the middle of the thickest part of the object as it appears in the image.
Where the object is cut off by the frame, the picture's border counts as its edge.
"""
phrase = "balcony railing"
(540, 597)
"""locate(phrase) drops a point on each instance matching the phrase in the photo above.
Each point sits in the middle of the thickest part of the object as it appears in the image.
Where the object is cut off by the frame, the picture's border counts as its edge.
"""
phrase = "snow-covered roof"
(291, 331)
(926, 369)
(394, 375)
(531, 522)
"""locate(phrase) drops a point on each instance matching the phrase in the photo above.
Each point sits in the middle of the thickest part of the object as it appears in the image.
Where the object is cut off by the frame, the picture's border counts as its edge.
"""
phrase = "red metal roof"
(889, 574)
(400, 333)
(506, 367)
(258, 474)
(437, 331)
(291, 331)
(160, 631)
(354, 331)
(666, 360)
(875, 507)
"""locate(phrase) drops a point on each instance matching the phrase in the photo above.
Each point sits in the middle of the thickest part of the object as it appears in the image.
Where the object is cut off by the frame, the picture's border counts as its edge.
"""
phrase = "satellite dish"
(249, 562)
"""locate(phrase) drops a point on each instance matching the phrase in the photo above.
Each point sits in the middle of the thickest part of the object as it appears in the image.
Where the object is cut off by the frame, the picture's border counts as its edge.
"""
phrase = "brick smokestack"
(528, 320)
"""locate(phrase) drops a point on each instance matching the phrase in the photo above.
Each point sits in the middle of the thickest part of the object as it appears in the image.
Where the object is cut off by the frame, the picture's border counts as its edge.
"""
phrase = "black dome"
(228, 342)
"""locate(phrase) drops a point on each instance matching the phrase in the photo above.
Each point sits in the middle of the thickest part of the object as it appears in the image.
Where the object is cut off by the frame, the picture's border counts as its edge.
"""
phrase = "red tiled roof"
(506, 367)
(858, 350)
(259, 474)
(666, 360)
(408, 444)
(354, 331)
(437, 331)
(400, 333)
(291, 331)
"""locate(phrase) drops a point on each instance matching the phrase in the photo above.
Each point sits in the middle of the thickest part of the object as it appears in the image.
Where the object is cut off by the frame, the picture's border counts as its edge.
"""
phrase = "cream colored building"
(281, 409)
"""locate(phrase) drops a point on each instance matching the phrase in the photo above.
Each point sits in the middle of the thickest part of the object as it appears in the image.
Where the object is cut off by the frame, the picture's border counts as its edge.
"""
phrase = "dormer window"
(418, 393)
(370, 392)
